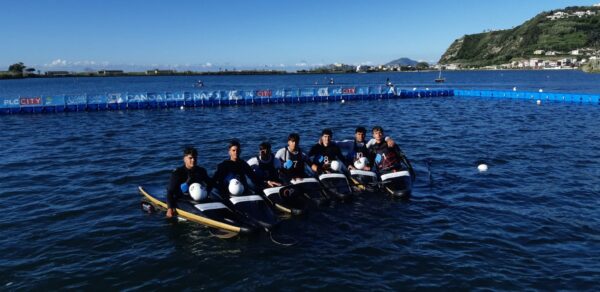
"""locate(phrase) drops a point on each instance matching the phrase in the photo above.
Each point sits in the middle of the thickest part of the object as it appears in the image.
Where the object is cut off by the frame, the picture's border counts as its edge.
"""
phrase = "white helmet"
(236, 188)
(198, 192)
(360, 163)
(335, 165)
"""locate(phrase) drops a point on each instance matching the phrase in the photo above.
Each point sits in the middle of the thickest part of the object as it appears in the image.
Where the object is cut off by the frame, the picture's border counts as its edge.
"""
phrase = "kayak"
(311, 190)
(255, 209)
(398, 184)
(213, 214)
(364, 180)
(286, 199)
(336, 185)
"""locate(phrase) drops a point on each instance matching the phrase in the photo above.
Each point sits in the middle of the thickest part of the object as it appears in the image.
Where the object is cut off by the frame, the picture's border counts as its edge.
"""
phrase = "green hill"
(560, 31)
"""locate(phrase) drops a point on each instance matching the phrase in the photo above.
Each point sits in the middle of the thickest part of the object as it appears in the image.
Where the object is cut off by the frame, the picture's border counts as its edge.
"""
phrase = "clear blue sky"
(144, 34)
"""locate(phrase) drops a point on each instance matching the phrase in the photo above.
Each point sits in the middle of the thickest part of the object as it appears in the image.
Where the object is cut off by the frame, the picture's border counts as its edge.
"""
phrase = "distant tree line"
(18, 70)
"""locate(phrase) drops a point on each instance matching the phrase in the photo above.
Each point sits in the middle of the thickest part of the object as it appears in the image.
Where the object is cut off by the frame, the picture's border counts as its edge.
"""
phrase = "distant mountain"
(403, 62)
(553, 33)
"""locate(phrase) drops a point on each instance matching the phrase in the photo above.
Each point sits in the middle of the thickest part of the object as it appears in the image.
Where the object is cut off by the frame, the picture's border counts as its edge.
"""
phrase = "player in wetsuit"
(183, 176)
(293, 160)
(386, 155)
(356, 148)
(324, 153)
(234, 168)
(266, 166)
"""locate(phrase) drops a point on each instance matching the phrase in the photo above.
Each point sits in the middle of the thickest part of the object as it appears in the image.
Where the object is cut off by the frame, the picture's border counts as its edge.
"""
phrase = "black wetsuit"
(295, 168)
(265, 169)
(238, 169)
(386, 158)
(322, 155)
(183, 175)
(359, 149)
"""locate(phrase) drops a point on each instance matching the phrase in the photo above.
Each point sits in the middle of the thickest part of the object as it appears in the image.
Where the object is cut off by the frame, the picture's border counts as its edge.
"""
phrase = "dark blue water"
(71, 216)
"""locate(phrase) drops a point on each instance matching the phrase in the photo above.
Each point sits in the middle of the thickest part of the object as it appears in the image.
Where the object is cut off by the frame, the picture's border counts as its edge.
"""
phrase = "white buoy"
(343, 101)
(515, 88)
(538, 102)
(427, 88)
(414, 88)
(482, 167)
(541, 90)
(181, 108)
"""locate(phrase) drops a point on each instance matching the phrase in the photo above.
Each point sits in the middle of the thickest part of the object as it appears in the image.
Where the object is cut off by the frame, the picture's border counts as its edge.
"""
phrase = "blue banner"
(187, 96)
(179, 96)
(10, 102)
(96, 99)
(292, 93)
(323, 91)
(279, 93)
(75, 99)
(115, 98)
(169, 96)
(161, 97)
(234, 95)
(137, 97)
(151, 96)
(307, 92)
(248, 94)
(198, 96)
(58, 100)
(362, 90)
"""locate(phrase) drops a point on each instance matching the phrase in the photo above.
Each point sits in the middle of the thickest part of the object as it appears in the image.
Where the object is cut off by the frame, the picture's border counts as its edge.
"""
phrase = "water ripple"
(71, 214)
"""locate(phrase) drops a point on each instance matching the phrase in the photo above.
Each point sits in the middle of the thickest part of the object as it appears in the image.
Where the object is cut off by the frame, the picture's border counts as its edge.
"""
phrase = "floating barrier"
(161, 100)
(527, 95)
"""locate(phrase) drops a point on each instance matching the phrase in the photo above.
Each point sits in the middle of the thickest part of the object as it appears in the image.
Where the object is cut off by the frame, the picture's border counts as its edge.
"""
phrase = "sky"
(207, 35)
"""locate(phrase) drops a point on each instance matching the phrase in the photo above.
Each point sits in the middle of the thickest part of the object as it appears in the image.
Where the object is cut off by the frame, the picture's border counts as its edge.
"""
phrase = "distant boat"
(199, 83)
(440, 79)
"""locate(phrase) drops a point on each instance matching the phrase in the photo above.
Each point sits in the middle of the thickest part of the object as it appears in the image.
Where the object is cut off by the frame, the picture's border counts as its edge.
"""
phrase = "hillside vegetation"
(543, 32)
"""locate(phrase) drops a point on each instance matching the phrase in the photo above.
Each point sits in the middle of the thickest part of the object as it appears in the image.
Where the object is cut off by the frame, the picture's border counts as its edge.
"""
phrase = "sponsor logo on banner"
(136, 97)
(179, 96)
(234, 95)
(264, 93)
(115, 98)
(11, 101)
(323, 91)
(30, 100)
(350, 90)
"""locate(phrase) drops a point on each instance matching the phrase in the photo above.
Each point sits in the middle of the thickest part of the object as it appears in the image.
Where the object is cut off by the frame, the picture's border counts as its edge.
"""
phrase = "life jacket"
(358, 150)
(266, 169)
(325, 154)
(385, 158)
(297, 168)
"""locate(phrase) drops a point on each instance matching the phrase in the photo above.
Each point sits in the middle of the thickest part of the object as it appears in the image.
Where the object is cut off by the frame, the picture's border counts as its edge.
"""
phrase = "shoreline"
(228, 73)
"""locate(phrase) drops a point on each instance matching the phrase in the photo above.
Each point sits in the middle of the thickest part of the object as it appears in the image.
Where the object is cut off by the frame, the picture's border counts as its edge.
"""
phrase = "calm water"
(71, 216)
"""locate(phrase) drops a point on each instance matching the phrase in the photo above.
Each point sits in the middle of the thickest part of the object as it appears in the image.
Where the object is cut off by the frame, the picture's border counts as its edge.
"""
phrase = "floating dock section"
(535, 96)
(160, 100)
